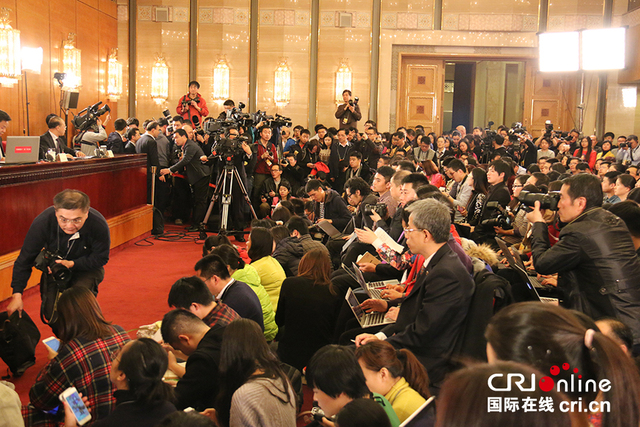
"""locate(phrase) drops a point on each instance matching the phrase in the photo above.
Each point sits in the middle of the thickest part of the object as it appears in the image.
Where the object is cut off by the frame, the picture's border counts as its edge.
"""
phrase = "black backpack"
(18, 339)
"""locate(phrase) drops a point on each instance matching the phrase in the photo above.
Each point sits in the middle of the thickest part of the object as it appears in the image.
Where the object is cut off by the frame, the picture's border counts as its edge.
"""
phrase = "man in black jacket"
(197, 175)
(328, 205)
(199, 380)
(54, 140)
(432, 316)
(116, 139)
(598, 270)
(497, 174)
(75, 231)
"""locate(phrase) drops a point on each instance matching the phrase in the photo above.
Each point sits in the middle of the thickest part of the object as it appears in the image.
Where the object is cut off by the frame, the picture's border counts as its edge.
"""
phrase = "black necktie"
(58, 146)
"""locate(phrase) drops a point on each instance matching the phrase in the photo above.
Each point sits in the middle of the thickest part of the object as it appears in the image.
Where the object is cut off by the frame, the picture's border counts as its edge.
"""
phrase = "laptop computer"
(517, 261)
(328, 228)
(22, 149)
(372, 289)
(366, 320)
(531, 289)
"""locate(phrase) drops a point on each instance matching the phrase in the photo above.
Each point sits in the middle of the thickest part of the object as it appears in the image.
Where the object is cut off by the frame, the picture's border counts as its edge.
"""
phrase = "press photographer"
(76, 240)
(348, 113)
(192, 104)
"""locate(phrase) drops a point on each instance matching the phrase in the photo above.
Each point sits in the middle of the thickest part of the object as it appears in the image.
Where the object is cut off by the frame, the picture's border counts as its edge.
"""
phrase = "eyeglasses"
(72, 221)
(408, 230)
(517, 186)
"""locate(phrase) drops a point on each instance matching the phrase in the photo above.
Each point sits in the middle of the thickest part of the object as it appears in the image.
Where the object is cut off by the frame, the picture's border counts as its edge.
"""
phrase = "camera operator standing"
(349, 112)
(192, 104)
(73, 242)
(198, 175)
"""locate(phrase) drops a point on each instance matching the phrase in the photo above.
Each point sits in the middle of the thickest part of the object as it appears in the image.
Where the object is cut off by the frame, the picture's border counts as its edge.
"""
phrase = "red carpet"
(133, 293)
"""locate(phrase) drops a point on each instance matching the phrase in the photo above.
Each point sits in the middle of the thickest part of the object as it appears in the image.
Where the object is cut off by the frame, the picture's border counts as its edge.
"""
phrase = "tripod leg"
(244, 192)
(214, 199)
(226, 199)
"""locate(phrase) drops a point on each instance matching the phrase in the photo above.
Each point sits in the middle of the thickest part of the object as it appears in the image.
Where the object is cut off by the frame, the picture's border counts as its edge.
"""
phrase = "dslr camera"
(379, 208)
(499, 216)
(167, 115)
(547, 201)
(46, 260)
(354, 101)
(88, 118)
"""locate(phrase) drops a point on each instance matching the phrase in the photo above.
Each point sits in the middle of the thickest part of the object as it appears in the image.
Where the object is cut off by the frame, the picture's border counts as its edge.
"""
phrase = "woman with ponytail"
(142, 398)
(562, 346)
(395, 374)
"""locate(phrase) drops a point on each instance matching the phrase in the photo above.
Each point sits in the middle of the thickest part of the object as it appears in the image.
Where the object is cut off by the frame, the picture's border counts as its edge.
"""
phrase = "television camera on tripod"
(229, 149)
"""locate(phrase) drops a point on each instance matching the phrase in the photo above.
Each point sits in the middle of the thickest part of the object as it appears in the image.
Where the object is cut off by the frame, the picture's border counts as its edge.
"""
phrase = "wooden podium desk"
(116, 186)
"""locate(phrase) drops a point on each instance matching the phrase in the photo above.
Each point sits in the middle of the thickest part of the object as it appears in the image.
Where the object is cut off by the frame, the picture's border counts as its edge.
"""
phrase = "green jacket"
(250, 276)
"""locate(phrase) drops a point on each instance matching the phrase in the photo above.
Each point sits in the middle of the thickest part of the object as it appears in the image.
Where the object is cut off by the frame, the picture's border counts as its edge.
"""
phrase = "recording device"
(167, 115)
(548, 129)
(516, 131)
(317, 414)
(489, 136)
(46, 260)
(226, 149)
(623, 145)
(186, 101)
(88, 118)
(354, 101)
(79, 409)
(379, 208)
(271, 121)
(499, 216)
(547, 201)
(198, 128)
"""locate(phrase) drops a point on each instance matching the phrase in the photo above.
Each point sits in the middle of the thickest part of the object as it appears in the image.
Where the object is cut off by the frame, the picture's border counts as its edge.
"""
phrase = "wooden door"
(421, 92)
(549, 96)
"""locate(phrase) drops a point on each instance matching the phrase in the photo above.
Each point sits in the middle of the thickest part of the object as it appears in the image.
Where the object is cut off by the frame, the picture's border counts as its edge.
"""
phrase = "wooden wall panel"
(47, 24)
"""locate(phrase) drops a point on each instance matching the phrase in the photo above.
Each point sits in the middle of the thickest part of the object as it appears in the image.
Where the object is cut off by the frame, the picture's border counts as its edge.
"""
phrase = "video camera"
(547, 201)
(271, 121)
(88, 118)
(516, 131)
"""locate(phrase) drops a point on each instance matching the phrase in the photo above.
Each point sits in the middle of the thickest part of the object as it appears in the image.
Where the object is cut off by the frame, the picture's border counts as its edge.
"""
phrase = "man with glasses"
(77, 234)
(431, 316)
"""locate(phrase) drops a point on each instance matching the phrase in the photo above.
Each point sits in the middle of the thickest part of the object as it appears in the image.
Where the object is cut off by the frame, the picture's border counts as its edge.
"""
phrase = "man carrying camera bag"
(69, 242)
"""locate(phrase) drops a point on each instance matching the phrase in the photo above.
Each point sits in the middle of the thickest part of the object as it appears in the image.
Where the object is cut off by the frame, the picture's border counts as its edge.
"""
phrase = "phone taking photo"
(53, 343)
(79, 409)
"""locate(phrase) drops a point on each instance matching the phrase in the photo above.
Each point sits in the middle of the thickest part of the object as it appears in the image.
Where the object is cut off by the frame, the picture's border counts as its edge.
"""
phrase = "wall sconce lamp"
(160, 81)
(71, 63)
(282, 84)
(10, 69)
(343, 80)
(221, 80)
(114, 85)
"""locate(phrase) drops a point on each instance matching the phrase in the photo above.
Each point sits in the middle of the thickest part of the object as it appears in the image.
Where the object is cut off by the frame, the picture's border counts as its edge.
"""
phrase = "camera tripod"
(224, 188)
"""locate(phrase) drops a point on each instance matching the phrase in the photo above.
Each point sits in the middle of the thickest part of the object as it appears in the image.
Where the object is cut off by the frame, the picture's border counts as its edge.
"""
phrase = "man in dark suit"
(431, 317)
(148, 145)
(54, 139)
(116, 140)
(197, 175)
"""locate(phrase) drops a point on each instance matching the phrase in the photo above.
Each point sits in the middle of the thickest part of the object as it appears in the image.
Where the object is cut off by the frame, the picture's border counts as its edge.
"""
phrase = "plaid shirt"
(82, 364)
(221, 315)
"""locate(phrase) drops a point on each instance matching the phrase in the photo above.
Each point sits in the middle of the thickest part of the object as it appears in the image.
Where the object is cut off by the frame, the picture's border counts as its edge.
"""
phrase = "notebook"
(22, 149)
(366, 320)
(531, 289)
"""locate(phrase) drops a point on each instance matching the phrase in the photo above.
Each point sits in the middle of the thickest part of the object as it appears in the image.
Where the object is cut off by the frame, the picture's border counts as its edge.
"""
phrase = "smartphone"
(76, 404)
(53, 343)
